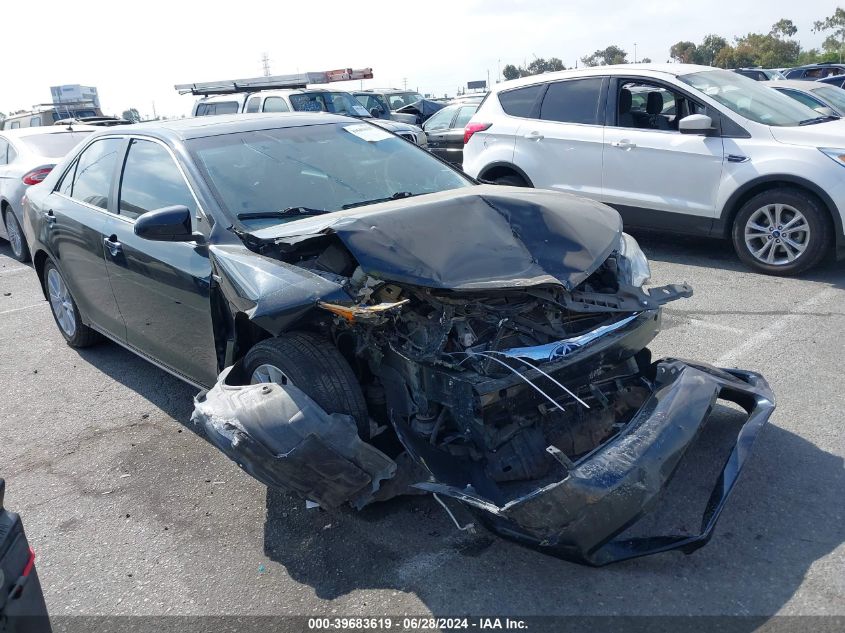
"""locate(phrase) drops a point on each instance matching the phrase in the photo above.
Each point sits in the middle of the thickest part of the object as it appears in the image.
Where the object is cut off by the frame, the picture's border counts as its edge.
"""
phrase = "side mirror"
(825, 111)
(168, 224)
(375, 112)
(695, 124)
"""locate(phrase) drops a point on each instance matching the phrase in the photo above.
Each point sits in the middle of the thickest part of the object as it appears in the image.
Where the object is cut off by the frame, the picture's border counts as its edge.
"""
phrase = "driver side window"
(649, 106)
(151, 180)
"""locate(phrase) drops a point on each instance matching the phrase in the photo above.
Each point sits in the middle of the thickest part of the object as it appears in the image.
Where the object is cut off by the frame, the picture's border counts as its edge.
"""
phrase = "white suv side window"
(649, 106)
(573, 101)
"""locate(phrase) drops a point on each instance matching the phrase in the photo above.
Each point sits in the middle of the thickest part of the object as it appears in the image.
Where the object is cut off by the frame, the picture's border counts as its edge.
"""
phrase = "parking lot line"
(778, 326)
(34, 305)
(10, 271)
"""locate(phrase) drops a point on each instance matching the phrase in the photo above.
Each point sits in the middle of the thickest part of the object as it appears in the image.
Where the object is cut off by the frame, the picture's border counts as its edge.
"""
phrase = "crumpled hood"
(481, 237)
(394, 126)
(828, 134)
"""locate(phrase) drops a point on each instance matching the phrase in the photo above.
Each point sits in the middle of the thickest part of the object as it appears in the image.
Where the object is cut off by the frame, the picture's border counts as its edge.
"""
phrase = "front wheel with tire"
(510, 180)
(312, 364)
(782, 231)
(20, 251)
(64, 309)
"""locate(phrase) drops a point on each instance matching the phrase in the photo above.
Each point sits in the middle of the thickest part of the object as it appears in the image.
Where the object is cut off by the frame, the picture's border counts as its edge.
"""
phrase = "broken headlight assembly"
(631, 262)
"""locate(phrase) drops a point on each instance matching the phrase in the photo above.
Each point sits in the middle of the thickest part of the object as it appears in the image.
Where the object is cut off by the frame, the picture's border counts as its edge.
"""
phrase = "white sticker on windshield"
(368, 132)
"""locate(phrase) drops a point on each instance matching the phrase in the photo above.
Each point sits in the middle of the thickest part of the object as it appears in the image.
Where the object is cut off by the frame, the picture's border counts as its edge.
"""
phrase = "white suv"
(677, 147)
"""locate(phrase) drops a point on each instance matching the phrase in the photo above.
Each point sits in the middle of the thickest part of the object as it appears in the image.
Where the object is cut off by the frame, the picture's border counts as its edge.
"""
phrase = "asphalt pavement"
(131, 512)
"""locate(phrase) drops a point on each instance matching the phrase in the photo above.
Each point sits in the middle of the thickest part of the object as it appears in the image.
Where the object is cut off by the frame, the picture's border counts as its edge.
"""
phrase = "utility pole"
(404, 83)
(635, 52)
(265, 64)
(154, 111)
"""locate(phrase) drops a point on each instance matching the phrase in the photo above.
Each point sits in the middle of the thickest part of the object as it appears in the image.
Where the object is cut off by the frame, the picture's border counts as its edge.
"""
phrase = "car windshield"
(834, 96)
(53, 145)
(262, 176)
(401, 99)
(751, 100)
(334, 102)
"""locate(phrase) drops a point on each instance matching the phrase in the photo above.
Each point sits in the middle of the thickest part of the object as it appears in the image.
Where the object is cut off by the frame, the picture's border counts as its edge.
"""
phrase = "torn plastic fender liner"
(284, 439)
(608, 490)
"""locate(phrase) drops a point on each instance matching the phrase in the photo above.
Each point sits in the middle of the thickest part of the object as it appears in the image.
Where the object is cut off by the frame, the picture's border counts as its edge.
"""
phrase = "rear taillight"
(36, 175)
(472, 128)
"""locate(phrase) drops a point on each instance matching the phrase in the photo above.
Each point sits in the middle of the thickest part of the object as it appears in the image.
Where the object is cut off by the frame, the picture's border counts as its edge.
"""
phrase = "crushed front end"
(535, 404)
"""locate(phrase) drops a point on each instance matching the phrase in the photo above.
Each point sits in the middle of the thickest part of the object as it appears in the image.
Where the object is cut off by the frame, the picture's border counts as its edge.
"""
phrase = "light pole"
(635, 52)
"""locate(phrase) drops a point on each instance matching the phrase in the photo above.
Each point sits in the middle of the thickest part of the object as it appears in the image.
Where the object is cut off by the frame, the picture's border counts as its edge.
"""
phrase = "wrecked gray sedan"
(382, 324)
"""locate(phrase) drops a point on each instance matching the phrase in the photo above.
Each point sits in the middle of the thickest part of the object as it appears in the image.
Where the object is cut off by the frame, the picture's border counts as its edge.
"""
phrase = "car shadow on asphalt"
(785, 515)
(708, 252)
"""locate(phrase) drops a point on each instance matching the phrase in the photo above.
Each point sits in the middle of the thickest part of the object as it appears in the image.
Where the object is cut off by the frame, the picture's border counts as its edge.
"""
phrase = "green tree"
(768, 51)
(645, 60)
(604, 57)
(683, 52)
(540, 65)
(783, 28)
(131, 115)
(510, 72)
(706, 52)
(835, 23)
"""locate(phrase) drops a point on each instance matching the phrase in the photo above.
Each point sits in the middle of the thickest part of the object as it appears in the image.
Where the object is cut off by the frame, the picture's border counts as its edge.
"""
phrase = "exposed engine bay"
(511, 374)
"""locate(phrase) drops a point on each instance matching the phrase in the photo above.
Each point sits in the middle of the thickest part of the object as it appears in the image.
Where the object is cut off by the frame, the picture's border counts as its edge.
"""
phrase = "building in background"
(74, 93)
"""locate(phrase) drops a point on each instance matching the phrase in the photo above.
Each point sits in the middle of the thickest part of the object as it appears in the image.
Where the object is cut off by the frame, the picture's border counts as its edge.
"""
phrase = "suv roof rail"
(254, 84)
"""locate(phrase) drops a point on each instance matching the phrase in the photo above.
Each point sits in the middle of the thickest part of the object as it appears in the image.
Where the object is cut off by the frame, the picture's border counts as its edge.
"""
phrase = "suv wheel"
(782, 231)
(510, 180)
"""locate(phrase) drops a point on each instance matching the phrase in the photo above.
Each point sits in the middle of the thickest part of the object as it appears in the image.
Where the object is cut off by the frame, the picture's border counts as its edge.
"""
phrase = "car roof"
(592, 71)
(202, 126)
(21, 132)
(796, 84)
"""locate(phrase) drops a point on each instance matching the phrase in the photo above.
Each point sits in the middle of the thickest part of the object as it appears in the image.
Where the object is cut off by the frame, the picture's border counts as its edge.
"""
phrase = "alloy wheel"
(777, 234)
(269, 373)
(13, 231)
(61, 303)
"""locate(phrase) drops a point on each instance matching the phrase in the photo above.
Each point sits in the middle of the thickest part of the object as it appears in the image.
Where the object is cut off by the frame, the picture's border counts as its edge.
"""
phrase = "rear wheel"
(782, 231)
(510, 180)
(315, 366)
(64, 309)
(20, 250)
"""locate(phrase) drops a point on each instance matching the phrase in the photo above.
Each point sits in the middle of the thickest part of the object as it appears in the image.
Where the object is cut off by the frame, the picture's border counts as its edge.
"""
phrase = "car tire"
(312, 364)
(65, 312)
(510, 180)
(782, 231)
(20, 250)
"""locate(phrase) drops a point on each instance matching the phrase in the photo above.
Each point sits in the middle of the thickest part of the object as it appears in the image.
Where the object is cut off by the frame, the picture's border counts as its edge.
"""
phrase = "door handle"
(624, 144)
(533, 136)
(112, 244)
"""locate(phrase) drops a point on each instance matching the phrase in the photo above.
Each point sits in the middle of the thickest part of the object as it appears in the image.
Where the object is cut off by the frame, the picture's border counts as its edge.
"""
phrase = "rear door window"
(574, 101)
(151, 180)
(520, 102)
(95, 171)
(253, 104)
(4, 149)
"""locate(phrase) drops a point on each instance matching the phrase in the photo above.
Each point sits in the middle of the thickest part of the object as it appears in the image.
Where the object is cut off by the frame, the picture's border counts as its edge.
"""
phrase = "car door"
(76, 214)
(5, 179)
(560, 146)
(436, 130)
(654, 175)
(454, 138)
(162, 288)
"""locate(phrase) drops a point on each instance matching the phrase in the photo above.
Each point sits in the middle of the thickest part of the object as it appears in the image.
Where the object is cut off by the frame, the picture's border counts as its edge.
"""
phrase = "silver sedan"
(27, 155)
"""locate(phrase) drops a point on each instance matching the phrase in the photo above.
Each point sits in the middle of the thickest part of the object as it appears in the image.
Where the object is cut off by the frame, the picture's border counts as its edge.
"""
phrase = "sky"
(135, 57)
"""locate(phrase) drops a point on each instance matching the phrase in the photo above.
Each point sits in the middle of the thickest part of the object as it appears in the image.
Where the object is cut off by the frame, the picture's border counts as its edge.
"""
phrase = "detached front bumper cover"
(608, 490)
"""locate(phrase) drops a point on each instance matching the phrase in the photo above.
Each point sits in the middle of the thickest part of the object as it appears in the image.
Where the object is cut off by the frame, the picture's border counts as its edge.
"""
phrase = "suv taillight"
(472, 128)
(36, 175)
